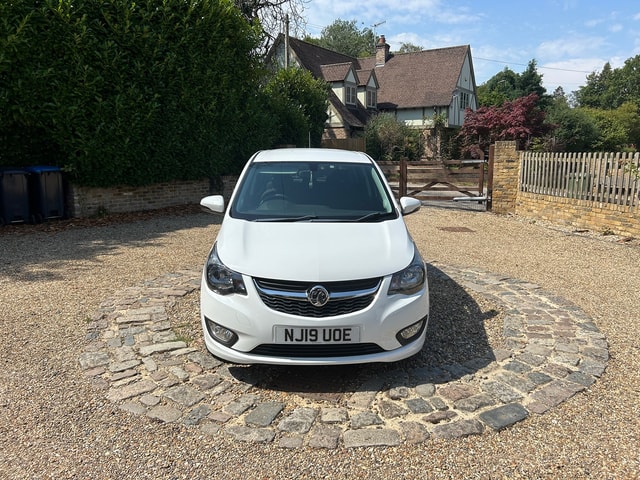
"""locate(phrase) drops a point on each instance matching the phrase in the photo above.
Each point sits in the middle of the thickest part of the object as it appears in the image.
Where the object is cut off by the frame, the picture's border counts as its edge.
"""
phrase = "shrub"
(130, 93)
(388, 139)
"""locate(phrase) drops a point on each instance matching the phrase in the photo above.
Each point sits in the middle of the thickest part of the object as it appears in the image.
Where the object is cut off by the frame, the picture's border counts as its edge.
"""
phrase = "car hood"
(315, 251)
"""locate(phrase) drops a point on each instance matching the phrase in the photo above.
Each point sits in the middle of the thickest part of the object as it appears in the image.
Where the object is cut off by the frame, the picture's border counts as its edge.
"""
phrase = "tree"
(630, 81)
(619, 129)
(271, 15)
(521, 120)
(558, 94)
(344, 37)
(407, 47)
(503, 86)
(598, 90)
(530, 81)
(610, 88)
(297, 104)
(574, 129)
(508, 85)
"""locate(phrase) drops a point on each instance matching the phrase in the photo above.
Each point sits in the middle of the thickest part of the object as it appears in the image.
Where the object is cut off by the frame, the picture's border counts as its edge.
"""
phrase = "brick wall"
(579, 214)
(88, 201)
(331, 133)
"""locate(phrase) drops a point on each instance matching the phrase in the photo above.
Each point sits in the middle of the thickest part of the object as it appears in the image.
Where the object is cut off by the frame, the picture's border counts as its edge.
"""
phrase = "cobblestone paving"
(552, 351)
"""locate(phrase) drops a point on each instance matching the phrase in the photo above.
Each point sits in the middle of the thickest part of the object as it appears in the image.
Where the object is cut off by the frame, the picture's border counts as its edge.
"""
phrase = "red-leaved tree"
(520, 120)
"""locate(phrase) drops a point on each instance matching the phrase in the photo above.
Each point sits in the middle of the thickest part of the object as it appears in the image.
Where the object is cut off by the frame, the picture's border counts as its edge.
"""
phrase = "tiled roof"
(363, 77)
(419, 79)
(335, 72)
(312, 57)
(407, 80)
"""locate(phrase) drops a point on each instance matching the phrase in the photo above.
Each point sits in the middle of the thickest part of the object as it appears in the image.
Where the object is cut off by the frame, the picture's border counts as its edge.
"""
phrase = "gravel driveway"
(55, 424)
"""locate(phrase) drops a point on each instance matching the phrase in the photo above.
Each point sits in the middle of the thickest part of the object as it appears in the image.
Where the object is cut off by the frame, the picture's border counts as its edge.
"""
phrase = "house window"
(350, 95)
(372, 101)
(465, 100)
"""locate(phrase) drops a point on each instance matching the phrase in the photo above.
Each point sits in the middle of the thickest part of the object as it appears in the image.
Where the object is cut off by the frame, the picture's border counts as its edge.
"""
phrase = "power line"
(317, 27)
(525, 65)
(320, 27)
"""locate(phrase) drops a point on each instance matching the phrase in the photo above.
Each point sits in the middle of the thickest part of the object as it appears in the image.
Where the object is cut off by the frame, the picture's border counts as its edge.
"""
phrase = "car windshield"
(312, 191)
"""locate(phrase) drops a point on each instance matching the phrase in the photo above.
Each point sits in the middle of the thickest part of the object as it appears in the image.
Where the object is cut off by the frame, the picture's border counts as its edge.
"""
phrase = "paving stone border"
(552, 351)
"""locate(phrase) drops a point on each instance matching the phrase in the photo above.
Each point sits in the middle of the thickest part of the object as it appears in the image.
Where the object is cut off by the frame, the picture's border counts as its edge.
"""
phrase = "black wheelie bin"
(46, 192)
(14, 196)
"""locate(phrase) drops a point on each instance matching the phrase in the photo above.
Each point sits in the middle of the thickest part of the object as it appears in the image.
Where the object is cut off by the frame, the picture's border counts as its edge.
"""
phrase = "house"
(416, 87)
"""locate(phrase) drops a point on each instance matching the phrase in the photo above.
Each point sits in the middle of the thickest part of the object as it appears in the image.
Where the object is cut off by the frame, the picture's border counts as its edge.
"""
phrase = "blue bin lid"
(42, 169)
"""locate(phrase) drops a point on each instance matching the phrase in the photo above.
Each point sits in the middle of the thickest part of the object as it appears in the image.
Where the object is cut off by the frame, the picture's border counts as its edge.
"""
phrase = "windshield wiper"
(288, 219)
(372, 216)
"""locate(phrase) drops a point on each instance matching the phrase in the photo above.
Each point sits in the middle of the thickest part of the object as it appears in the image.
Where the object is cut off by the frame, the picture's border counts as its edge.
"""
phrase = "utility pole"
(286, 41)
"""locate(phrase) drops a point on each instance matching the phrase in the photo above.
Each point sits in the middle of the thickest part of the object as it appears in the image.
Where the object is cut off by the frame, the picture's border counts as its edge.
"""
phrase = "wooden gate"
(442, 180)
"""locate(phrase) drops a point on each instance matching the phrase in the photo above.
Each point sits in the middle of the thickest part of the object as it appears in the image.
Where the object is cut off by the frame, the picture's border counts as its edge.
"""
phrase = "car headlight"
(221, 279)
(411, 279)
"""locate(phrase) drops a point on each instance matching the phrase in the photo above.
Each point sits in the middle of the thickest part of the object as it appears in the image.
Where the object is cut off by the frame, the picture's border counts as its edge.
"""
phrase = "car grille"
(311, 351)
(291, 297)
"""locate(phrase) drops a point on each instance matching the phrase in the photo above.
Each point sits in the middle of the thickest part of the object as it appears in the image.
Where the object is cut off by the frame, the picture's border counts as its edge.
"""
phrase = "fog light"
(408, 334)
(221, 334)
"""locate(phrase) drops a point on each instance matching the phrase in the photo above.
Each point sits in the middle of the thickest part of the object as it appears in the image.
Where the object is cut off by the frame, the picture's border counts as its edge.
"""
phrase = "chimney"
(382, 51)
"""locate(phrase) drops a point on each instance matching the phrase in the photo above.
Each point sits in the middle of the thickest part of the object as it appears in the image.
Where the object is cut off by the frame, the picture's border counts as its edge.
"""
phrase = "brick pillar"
(506, 174)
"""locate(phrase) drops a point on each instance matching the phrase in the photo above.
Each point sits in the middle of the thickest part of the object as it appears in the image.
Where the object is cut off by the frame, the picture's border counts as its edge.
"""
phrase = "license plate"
(314, 335)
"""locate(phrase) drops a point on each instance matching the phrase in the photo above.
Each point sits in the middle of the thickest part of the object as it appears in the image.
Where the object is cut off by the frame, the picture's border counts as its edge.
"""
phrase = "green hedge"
(118, 92)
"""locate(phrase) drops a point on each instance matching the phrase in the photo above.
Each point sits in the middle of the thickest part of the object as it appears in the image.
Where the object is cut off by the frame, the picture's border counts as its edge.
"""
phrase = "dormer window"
(372, 100)
(350, 95)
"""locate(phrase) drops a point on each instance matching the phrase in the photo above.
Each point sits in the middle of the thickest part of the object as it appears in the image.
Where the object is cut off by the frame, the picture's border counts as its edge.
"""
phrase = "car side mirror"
(409, 205)
(214, 203)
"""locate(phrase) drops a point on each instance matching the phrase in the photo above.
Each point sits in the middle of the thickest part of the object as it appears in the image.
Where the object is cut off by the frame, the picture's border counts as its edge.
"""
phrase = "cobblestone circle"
(552, 351)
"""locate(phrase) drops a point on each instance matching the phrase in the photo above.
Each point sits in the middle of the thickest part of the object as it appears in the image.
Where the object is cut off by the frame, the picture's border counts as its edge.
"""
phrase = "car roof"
(311, 155)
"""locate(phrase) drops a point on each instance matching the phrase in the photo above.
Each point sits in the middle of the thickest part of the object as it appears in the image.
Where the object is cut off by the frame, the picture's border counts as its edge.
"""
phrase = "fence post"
(492, 149)
(402, 186)
(481, 178)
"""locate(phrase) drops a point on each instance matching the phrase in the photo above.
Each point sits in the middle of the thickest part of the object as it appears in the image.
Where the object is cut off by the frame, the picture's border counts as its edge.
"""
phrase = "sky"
(569, 39)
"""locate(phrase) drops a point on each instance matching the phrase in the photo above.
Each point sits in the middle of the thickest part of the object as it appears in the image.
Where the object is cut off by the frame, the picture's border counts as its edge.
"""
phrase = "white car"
(313, 265)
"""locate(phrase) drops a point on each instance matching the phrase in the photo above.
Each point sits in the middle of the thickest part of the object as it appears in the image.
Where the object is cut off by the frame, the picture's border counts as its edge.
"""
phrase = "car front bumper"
(256, 328)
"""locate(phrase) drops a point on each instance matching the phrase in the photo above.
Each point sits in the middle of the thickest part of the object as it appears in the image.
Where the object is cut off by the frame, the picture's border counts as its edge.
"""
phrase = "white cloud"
(417, 12)
(397, 14)
(570, 74)
(570, 46)
(396, 41)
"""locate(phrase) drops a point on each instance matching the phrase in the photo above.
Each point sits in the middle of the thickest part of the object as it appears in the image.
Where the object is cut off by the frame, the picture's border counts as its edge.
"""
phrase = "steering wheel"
(273, 196)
